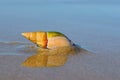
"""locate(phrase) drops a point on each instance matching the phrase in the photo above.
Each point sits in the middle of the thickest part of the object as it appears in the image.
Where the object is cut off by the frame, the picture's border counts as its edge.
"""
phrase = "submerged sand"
(82, 66)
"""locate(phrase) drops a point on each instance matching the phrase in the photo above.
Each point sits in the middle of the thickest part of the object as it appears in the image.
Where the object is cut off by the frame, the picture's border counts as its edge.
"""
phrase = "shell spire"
(38, 38)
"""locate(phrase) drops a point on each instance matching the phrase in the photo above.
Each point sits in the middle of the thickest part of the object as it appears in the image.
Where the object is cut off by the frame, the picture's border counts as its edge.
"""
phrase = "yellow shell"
(48, 39)
(59, 47)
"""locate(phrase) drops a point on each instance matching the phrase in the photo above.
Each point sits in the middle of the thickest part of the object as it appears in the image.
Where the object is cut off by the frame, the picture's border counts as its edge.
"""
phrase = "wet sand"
(95, 27)
(82, 66)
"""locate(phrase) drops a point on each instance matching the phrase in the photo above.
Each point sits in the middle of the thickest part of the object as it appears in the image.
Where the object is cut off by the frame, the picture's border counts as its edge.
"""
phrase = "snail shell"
(48, 40)
(55, 49)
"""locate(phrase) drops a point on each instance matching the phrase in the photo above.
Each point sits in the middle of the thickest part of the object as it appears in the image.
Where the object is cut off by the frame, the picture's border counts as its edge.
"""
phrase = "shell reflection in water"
(54, 49)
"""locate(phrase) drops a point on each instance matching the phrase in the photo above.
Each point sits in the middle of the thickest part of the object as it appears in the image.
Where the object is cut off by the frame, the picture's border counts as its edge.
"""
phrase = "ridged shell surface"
(49, 39)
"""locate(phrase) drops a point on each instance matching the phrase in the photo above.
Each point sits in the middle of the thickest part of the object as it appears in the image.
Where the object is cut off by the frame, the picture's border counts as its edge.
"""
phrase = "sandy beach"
(93, 26)
(82, 66)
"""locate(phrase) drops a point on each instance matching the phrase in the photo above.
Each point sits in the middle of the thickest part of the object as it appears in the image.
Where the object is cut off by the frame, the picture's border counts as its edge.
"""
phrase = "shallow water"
(95, 27)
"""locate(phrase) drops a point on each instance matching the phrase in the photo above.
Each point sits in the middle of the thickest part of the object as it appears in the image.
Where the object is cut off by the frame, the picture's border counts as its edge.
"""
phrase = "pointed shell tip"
(23, 34)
